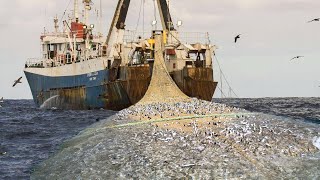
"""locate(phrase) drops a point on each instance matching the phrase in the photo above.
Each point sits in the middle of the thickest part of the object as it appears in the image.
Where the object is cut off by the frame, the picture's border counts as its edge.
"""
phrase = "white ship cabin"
(78, 41)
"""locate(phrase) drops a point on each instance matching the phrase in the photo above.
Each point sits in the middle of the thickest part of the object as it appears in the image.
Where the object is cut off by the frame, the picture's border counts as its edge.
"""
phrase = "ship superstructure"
(81, 69)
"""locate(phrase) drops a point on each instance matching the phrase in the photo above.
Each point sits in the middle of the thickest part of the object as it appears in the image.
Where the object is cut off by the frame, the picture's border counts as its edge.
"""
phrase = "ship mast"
(100, 19)
(87, 8)
(56, 25)
(76, 10)
(100, 27)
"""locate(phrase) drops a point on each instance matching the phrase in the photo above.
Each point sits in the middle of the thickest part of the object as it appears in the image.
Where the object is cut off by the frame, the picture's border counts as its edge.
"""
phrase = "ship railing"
(34, 63)
(194, 37)
(133, 36)
(43, 63)
(55, 34)
(59, 60)
(65, 34)
(183, 37)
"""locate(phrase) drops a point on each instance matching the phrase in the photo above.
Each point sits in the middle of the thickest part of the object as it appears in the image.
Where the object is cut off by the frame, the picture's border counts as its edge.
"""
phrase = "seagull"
(1, 100)
(316, 19)
(236, 38)
(297, 57)
(17, 81)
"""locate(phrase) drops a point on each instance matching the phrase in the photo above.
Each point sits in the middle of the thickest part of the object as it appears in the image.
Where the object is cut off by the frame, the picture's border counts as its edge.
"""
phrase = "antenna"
(56, 25)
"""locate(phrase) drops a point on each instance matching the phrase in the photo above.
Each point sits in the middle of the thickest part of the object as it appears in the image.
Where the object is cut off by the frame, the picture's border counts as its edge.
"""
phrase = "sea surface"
(303, 109)
(29, 135)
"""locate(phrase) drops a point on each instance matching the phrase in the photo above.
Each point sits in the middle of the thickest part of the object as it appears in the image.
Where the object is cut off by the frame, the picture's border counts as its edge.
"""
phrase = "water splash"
(46, 104)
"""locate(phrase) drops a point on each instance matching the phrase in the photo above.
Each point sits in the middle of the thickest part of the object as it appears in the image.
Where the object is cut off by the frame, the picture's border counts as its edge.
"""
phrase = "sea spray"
(46, 104)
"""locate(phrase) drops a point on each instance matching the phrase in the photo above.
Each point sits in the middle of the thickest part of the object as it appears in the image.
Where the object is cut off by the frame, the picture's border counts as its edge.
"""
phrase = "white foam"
(46, 103)
(316, 142)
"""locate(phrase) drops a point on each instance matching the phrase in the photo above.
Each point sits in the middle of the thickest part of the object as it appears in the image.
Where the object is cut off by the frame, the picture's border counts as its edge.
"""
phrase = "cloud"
(247, 4)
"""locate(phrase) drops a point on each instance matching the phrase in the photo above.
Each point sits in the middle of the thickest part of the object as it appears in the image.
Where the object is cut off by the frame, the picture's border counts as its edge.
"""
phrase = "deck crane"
(116, 33)
(117, 28)
(165, 16)
(118, 23)
(186, 62)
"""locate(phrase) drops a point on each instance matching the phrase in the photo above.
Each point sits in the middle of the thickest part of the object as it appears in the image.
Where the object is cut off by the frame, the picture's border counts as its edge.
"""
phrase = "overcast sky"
(273, 31)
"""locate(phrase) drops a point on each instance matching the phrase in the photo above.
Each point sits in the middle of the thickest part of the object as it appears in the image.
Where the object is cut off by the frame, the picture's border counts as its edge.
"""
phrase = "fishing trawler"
(83, 69)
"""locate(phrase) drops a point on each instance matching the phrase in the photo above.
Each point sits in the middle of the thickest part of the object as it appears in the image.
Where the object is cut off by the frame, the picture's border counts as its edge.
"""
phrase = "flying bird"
(17, 81)
(236, 38)
(316, 19)
(297, 57)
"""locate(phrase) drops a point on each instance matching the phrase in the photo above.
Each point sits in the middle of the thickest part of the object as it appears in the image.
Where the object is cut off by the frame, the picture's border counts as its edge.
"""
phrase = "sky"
(273, 32)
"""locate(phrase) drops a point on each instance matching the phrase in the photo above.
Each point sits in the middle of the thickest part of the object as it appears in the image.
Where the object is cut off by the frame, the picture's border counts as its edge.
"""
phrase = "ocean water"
(304, 109)
(29, 135)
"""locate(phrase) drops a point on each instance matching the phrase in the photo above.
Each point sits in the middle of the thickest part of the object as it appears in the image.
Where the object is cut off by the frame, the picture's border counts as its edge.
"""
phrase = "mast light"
(154, 22)
(88, 7)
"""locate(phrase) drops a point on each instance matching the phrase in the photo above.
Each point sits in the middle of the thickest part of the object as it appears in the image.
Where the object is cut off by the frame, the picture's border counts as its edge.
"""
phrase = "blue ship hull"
(87, 91)
(114, 89)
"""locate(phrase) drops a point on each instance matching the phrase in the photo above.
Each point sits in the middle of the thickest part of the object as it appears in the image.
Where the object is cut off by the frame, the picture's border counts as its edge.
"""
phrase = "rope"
(179, 119)
(223, 75)
(222, 93)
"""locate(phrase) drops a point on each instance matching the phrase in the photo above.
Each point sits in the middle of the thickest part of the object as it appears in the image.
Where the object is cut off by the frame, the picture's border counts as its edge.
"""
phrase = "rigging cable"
(155, 13)
(64, 13)
(139, 17)
(143, 18)
(223, 75)
(222, 93)
(169, 18)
